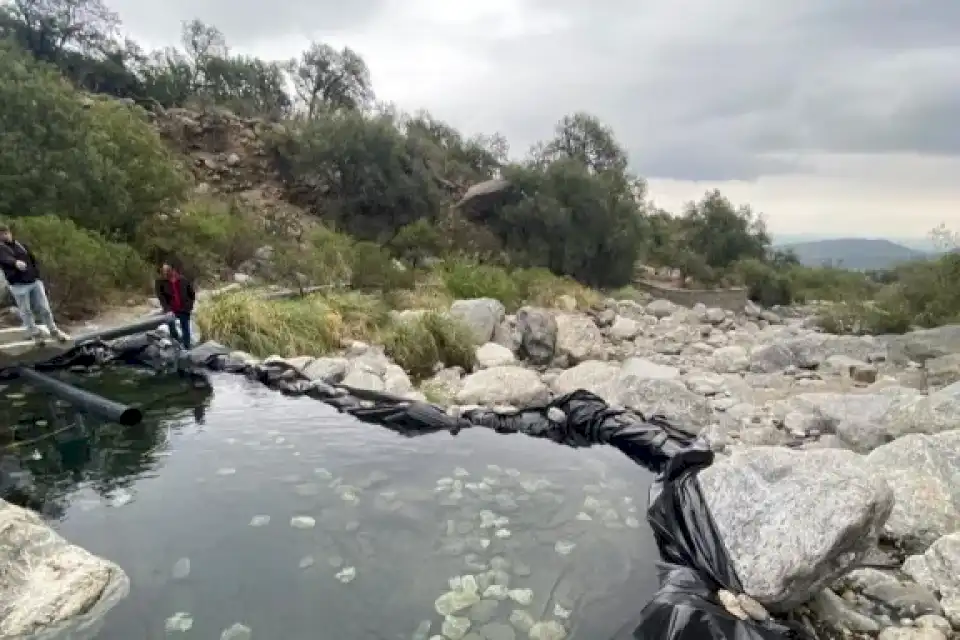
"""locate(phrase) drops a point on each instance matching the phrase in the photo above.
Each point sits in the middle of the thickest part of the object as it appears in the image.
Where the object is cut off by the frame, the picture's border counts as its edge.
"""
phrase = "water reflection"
(49, 450)
(250, 512)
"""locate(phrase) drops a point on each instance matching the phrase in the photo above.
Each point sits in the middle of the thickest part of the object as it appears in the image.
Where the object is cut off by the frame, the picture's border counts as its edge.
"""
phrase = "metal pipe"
(140, 326)
(83, 400)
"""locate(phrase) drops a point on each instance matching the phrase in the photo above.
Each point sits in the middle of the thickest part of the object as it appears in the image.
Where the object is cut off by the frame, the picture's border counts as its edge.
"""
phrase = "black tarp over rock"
(695, 563)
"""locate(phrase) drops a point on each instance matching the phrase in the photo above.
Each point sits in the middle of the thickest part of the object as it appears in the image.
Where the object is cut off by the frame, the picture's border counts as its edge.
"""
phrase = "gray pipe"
(139, 326)
(83, 400)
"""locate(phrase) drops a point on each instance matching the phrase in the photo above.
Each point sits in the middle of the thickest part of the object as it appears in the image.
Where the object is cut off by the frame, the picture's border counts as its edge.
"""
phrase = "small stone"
(548, 630)
(302, 522)
(306, 562)
(455, 628)
(237, 632)
(523, 597)
(731, 604)
(181, 569)
(563, 547)
(347, 574)
(753, 608)
(179, 622)
(496, 592)
(522, 621)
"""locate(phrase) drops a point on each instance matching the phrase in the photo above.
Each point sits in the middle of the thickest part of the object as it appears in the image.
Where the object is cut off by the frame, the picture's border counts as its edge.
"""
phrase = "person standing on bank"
(177, 296)
(23, 276)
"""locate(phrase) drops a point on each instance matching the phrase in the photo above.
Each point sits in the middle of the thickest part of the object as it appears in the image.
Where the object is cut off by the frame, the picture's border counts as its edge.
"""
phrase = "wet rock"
(47, 584)
(794, 521)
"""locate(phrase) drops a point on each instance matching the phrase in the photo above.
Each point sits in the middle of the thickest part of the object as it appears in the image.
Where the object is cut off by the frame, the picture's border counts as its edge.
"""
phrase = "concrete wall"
(733, 299)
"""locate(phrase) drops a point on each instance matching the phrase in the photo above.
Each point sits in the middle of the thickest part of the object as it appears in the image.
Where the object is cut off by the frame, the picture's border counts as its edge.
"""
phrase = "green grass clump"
(419, 344)
(288, 328)
(465, 280)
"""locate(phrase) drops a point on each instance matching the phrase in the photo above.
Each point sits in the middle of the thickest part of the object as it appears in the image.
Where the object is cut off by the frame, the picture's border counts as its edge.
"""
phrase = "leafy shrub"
(539, 287)
(81, 269)
(206, 235)
(765, 285)
(372, 268)
(325, 257)
(95, 161)
(417, 241)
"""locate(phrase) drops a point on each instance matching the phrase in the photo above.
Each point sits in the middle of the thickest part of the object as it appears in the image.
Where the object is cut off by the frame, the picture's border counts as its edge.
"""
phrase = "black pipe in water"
(83, 400)
(139, 326)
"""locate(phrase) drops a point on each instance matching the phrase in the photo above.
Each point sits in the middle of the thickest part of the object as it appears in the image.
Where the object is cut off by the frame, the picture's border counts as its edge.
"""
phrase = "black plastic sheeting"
(695, 563)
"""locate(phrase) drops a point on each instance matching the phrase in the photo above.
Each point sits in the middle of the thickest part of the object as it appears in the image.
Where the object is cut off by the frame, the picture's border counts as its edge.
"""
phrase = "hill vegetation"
(854, 253)
(114, 157)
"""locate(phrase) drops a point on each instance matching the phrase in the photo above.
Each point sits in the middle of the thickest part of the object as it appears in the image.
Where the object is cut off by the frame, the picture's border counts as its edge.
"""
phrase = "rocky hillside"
(836, 453)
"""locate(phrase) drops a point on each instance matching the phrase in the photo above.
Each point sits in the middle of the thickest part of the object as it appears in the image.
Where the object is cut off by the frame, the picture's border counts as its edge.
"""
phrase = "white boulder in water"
(48, 584)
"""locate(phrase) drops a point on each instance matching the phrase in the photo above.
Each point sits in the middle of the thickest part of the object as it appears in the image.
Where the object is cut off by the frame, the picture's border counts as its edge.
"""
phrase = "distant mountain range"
(854, 253)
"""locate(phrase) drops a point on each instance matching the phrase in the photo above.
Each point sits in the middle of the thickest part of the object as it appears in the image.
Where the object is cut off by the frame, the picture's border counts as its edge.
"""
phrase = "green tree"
(360, 173)
(98, 162)
(416, 242)
(327, 78)
(723, 234)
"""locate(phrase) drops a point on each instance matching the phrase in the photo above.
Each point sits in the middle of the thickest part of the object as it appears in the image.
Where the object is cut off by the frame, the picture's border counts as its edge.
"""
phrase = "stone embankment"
(837, 482)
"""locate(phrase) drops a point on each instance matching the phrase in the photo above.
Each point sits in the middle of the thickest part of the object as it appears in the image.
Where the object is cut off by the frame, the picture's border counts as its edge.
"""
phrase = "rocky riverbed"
(837, 484)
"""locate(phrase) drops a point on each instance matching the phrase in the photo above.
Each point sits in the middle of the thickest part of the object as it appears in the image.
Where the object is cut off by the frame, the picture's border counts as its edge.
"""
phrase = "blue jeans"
(32, 302)
(183, 335)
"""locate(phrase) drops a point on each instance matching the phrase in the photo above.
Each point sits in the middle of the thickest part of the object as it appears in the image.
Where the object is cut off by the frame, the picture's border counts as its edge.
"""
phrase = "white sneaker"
(61, 336)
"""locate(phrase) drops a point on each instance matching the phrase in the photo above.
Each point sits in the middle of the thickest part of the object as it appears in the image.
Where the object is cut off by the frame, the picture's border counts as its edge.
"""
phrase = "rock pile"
(837, 485)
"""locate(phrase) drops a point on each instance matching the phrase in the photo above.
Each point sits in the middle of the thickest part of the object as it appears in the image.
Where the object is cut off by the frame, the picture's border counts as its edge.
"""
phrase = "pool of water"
(249, 510)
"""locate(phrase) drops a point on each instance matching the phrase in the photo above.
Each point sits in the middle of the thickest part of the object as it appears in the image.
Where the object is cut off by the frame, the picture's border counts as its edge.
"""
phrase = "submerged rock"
(48, 584)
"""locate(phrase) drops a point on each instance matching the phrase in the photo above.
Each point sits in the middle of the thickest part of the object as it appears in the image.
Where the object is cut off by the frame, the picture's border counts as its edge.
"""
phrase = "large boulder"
(482, 315)
(505, 385)
(794, 521)
(578, 338)
(924, 471)
(47, 585)
(538, 334)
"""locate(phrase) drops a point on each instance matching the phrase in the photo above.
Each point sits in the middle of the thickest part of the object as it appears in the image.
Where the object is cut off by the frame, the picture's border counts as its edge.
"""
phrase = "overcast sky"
(837, 117)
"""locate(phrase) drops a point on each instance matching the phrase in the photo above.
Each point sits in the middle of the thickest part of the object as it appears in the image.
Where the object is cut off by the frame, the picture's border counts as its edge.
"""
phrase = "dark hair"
(4, 227)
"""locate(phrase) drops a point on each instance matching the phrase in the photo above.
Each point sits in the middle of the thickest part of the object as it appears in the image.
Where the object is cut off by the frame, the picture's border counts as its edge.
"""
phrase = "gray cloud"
(695, 89)
(714, 91)
(244, 22)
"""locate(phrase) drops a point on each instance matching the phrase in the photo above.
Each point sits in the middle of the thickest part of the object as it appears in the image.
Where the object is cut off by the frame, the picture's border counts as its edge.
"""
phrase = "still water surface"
(249, 510)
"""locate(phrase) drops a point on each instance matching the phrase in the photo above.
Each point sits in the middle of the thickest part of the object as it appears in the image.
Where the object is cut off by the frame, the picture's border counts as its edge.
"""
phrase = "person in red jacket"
(177, 296)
